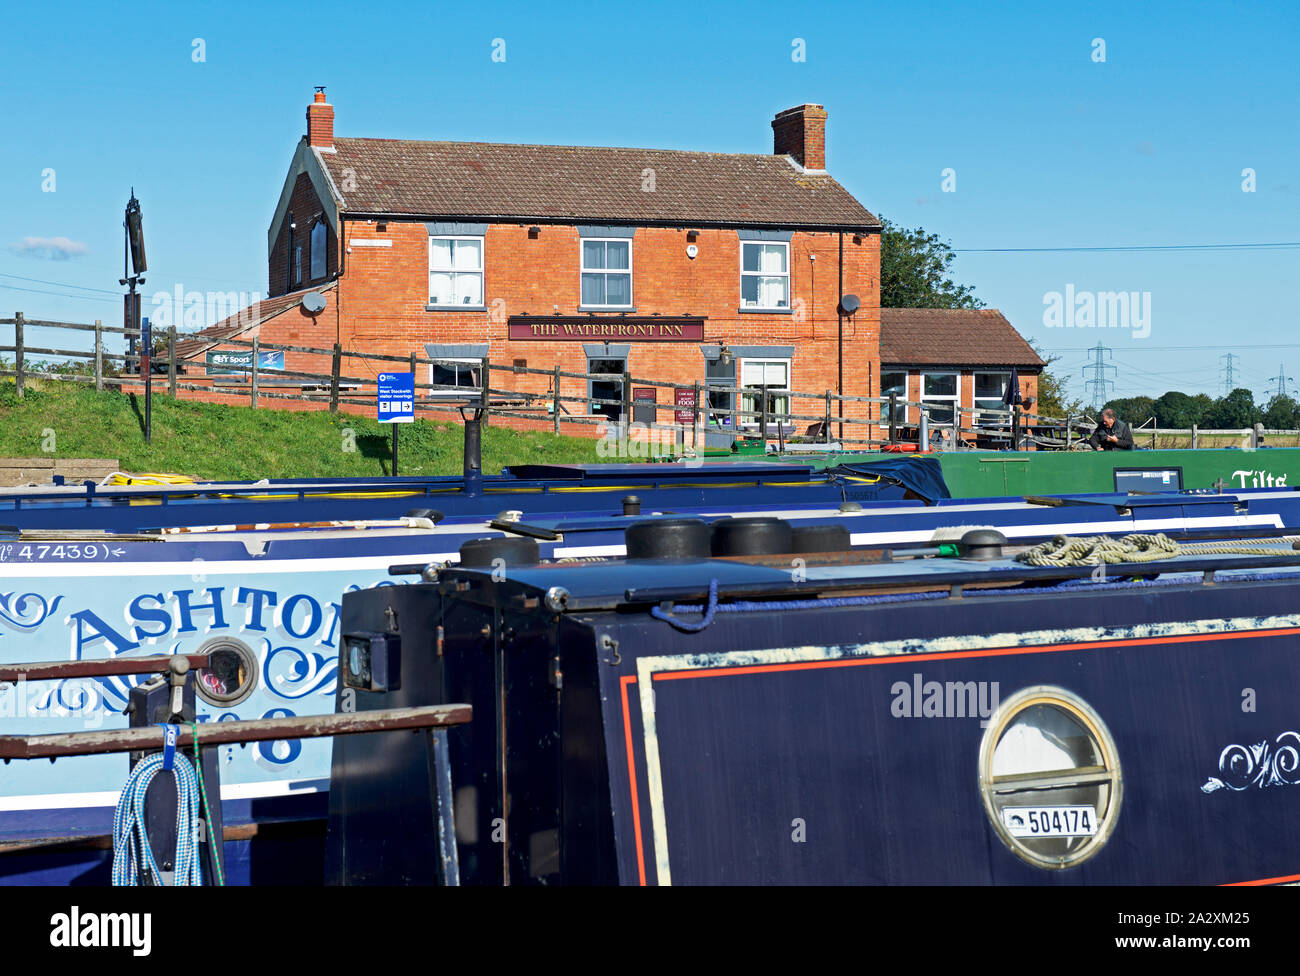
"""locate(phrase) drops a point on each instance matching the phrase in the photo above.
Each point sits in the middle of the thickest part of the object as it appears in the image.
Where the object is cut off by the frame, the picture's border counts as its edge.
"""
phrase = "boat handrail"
(151, 738)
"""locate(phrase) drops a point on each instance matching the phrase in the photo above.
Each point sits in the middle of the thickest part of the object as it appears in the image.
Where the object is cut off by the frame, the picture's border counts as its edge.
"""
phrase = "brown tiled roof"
(952, 337)
(196, 344)
(495, 181)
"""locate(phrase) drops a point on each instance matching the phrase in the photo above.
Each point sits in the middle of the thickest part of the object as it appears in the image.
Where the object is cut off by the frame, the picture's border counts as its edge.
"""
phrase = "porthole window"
(1050, 777)
(231, 674)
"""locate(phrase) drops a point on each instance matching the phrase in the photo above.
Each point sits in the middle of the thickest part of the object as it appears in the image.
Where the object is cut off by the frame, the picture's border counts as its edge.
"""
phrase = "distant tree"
(1282, 413)
(1234, 411)
(1175, 409)
(1133, 410)
(914, 271)
(1054, 398)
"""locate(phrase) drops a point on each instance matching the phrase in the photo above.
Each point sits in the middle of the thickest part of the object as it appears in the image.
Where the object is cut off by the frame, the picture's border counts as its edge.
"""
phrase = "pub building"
(685, 267)
(725, 269)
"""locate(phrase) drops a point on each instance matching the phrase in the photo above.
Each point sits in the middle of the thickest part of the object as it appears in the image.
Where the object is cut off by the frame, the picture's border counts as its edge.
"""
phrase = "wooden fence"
(810, 417)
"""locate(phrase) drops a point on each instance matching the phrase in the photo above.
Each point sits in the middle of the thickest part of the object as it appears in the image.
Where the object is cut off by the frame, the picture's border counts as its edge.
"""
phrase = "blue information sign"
(396, 398)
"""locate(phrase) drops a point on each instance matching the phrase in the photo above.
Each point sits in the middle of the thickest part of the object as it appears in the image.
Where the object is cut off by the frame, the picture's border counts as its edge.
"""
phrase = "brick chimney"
(320, 122)
(801, 132)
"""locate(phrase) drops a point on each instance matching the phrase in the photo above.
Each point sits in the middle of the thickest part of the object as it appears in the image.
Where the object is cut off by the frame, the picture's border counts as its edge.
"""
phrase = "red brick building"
(953, 357)
(673, 266)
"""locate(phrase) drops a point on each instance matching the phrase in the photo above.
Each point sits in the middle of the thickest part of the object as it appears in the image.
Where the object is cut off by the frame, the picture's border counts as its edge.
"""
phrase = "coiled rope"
(1139, 547)
(130, 837)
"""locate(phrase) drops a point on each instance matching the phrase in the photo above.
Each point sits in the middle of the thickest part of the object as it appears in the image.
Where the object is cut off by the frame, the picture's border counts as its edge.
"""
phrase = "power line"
(1225, 345)
(84, 298)
(1275, 246)
(61, 284)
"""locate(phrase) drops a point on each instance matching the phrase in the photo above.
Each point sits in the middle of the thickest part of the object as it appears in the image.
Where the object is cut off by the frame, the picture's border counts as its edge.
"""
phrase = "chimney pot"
(320, 122)
(800, 133)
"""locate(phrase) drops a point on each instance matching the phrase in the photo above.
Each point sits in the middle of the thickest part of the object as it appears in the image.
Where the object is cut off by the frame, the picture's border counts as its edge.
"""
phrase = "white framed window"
(893, 381)
(754, 374)
(458, 377)
(940, 392)
(297, 265)
(455, 271)
(764, 274)
(318, 250)
(606, 272)
(990, 388)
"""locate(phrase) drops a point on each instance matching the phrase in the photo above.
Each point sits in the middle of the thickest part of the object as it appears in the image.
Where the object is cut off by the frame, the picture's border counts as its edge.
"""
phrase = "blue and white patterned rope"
(129, 835)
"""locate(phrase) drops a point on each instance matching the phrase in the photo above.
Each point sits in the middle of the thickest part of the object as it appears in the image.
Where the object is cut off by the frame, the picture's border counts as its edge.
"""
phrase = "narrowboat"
(752, 704)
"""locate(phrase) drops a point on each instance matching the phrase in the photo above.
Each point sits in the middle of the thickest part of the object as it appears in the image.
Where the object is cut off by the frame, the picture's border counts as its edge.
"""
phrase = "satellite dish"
(849, 304)
(313, 303)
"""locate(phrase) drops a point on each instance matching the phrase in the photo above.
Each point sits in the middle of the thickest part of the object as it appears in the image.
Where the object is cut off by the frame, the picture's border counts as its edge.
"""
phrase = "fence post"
(555, 401)
(762, 415)
(695, 421)
(893, 417)
(827, 429)
(627, 405)
(99, 356)
(486, 367)
(1195, 436)
(1069, 430)
(18, 353)
(415, 392)
(171, 361)
(252, 390)
(335, 367)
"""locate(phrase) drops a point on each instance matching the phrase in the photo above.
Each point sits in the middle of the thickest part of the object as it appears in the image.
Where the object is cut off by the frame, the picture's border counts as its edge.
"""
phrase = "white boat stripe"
(108, 798)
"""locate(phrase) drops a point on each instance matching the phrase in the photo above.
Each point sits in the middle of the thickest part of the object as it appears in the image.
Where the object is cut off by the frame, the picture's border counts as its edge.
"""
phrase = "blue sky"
(1050, 148)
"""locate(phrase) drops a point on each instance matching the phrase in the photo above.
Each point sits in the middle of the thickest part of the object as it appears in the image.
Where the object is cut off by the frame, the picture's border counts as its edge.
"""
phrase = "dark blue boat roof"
(619, 581)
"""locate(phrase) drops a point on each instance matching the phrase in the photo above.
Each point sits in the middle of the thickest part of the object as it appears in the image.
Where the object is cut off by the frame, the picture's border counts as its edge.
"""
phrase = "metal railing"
(870, 422)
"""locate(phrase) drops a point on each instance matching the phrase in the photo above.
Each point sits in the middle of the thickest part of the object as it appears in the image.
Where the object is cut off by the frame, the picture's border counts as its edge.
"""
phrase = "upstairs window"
(764, 275)
(455, 271)
(318, 250)
(606, 273)
(297, 265)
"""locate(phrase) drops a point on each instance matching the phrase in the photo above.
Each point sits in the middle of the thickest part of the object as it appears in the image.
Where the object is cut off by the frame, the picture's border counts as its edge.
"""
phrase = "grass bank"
(217, 441)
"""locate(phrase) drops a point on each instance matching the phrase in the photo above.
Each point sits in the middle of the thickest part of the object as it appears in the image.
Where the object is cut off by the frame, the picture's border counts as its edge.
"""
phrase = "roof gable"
(306, 159)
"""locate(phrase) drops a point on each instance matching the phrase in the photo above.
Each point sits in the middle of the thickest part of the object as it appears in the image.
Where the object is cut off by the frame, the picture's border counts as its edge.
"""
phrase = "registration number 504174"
(1072, 821)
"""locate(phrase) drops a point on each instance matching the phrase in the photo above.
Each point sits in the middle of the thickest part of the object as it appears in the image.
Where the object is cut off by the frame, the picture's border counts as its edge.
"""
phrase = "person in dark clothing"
(1111, 434)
